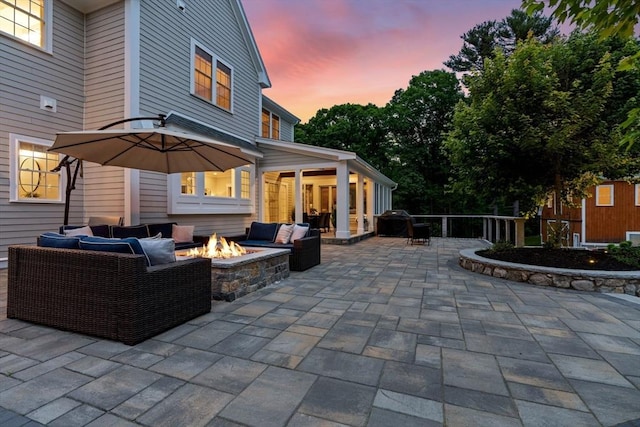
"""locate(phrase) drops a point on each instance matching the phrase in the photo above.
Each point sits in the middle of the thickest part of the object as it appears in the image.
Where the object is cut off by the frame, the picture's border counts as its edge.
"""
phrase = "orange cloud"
(321, 53)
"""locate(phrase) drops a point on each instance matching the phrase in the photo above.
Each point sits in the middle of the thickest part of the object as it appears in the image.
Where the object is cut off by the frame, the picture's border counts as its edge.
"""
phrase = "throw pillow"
(182, 233)
(105, 245)
(284, 233)
(129, 245)
(298, 232)
(159, 251)
(263, 231)
(80, 231)
(138, 231)
(60, 241)
(164, 227)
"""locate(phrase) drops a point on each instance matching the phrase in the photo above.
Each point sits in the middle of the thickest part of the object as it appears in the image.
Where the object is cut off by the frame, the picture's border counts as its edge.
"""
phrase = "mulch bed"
(559, 258)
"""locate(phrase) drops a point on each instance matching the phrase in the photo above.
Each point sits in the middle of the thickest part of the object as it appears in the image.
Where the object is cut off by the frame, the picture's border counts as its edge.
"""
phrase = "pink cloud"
(320, 53)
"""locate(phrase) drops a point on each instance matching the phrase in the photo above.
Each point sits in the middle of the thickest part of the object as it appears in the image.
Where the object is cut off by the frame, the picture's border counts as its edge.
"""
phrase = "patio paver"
(381, 333)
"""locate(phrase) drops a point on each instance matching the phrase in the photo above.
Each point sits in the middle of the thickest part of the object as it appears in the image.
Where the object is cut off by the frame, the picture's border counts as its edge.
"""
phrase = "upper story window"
(25, 20)
(205, 68)
(637, 194)
(31, 175)
(604, 195)
(270, 125)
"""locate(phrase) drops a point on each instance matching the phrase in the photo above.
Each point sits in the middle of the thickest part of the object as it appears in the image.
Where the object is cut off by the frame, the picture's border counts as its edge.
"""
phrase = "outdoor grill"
(393, 223)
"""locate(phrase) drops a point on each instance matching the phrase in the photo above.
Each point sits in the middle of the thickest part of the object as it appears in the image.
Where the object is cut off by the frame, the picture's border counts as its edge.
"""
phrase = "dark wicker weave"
(109, 295)
(305, 252)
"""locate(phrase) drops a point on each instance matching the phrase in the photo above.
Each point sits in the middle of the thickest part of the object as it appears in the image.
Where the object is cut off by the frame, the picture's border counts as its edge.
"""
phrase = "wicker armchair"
(109, 295)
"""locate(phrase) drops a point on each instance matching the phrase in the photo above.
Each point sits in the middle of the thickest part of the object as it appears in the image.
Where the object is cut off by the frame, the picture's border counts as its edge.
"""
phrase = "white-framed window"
(270, 125)
(228, 192)
(637, 194)
(211, 77)
(30, 169)
(28, 21)
(604, 195)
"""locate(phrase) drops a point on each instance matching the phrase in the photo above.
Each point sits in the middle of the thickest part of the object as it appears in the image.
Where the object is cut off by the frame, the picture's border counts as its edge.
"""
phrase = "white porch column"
(298, 195)
(370, 203)
(131, 196)
(360, 204)
(342, 201)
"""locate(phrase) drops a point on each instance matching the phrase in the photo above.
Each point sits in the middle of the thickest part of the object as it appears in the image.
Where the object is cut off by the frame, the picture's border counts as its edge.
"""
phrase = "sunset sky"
(320, 53)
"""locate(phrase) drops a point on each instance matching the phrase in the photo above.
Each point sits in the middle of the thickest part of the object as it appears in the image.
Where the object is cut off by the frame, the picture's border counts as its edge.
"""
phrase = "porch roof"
(354, 162)
(200, 128)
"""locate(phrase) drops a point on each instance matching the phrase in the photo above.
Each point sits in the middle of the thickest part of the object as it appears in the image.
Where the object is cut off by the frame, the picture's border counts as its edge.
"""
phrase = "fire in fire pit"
(218, 248)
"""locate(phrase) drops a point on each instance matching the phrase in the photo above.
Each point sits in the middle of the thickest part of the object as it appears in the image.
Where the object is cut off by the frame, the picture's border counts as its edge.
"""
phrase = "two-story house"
(80, 64)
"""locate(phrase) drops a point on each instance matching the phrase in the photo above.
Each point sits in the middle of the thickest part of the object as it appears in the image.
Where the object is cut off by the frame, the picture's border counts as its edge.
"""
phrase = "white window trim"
(611, 202)
(637, 189)
(199, 204)
(214, 83)
(48, 30)
(14, 151)
(271, 116)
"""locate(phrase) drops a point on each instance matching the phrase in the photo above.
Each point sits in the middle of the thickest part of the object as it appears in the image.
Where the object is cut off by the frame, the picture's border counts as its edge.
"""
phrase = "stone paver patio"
(380, 334)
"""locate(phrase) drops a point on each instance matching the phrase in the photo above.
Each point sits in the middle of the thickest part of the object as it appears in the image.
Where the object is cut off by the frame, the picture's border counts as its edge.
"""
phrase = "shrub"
(625, 252)
(500, 246)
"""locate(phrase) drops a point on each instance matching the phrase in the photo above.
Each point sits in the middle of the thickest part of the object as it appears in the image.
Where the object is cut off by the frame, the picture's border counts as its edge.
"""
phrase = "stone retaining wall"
(623, 282)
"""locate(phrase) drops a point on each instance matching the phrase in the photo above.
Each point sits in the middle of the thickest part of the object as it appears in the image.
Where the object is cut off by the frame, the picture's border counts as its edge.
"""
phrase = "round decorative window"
(30, 175)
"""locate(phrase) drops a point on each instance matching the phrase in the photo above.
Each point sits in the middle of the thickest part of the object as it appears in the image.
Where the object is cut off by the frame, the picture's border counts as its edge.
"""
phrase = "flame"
(218, 249)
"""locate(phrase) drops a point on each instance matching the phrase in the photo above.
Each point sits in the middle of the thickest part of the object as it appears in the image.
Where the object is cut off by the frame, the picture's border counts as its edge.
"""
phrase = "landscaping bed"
(576, 259)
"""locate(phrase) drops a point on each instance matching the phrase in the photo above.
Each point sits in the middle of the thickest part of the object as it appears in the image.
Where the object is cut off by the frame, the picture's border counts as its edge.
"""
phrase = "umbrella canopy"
(155, 149)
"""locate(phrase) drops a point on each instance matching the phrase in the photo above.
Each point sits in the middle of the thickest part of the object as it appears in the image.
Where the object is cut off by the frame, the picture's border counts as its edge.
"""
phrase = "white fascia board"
(360, 166)
(354, 162)
(305, 149)
(274, 107)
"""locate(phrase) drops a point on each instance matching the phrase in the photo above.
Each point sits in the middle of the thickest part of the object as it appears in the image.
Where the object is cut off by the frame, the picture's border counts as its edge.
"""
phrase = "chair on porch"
(325, 222)
(418, 233)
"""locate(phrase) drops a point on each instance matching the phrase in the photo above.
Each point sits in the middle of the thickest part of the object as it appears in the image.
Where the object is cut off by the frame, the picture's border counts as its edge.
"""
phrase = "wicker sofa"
(109, 295)
(305, 252)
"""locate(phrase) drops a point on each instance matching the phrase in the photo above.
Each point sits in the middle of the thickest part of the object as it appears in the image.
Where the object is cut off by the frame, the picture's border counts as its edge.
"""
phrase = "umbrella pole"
(71, 183)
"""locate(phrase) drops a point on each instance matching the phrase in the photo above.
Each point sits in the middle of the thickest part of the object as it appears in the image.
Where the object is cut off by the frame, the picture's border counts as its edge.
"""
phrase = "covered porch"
(303, 183)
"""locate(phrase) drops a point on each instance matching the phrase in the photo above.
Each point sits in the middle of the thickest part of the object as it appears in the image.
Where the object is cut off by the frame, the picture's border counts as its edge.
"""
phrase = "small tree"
(536, 124)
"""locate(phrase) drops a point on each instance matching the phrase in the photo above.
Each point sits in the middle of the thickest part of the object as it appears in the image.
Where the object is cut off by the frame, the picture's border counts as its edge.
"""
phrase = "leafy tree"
(609, 18)
(417, 119)
(350, 127)
(481, 41)
(537, 124)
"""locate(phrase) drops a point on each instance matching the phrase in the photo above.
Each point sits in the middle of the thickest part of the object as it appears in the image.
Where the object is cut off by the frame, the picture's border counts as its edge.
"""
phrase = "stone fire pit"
(234, 277)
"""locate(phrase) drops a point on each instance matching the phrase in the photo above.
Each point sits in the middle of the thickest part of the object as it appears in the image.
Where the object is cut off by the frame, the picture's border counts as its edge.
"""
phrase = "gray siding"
(25, 74)
(105, 104)
(165, 66)
(165, 63)
(286, 131)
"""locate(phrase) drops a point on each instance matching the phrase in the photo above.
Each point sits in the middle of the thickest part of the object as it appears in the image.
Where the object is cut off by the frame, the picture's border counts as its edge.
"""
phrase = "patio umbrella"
(153, 149)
